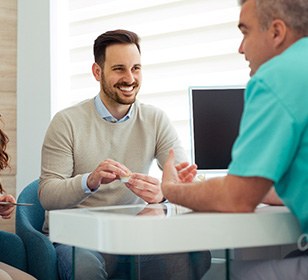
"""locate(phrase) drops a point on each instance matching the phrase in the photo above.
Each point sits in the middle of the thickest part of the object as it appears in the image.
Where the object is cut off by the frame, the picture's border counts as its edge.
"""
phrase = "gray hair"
(293, 12)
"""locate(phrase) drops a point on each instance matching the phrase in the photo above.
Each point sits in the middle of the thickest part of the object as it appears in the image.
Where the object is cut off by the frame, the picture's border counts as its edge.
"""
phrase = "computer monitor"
(215, 119)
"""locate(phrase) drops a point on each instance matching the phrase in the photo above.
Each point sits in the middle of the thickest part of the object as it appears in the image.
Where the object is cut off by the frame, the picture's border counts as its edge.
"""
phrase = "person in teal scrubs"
(272, 146)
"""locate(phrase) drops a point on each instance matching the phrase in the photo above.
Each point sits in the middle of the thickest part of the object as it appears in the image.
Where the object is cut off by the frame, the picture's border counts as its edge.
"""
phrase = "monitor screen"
(215, 119)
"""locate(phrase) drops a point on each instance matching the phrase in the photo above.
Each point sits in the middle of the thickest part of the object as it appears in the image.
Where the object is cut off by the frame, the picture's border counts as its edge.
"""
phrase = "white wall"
(33, 87)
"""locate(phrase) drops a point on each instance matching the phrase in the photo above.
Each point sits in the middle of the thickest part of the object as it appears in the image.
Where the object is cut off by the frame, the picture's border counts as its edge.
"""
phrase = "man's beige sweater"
(78, 139)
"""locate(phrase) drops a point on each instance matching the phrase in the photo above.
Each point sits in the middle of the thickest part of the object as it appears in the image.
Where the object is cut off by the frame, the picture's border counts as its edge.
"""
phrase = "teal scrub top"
(273, 137)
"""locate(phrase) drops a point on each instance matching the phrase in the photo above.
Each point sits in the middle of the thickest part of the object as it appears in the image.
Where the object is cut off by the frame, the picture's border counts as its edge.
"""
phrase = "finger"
(189, 177)
(169, 165)
(170, 159)
(143, 182)
(188, 174)
(143, 185)
(147, 195)
(145, 178)
(117, 167)
(188, 169)
(9, 198)
(181, 166)
(105, 172)
(7, 213)
(7, 217)
(97, 177)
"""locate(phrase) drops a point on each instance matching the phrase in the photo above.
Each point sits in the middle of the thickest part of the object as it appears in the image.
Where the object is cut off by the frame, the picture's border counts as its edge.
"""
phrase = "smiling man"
(91, 147)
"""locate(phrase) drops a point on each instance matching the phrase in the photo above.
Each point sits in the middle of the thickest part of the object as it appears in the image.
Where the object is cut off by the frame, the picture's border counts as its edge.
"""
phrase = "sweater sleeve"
(168, 138)
(58, 188)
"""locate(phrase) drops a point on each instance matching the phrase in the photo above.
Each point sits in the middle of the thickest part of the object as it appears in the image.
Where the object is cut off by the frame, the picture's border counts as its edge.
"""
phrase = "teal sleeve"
(265, 145)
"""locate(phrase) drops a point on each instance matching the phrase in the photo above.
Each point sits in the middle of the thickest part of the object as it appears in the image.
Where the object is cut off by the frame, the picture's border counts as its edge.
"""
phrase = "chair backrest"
(41, 254)
(34, 215)
(12, 250)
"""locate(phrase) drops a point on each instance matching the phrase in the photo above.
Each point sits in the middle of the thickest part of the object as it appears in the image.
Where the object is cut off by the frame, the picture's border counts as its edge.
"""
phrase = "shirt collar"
(105, 114)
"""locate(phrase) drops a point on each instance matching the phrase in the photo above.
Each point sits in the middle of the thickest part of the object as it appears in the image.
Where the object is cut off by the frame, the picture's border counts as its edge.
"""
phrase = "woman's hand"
(6, 211)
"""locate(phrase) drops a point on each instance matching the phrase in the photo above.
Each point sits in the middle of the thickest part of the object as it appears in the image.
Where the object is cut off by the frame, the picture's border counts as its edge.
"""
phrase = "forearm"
(224, 194)
(192, 195)
(55, 193)
(206, 196)
(59, 187)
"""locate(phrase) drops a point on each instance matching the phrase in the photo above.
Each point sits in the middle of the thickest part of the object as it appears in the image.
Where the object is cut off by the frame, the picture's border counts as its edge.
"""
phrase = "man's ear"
(97, 71)
(278, 33)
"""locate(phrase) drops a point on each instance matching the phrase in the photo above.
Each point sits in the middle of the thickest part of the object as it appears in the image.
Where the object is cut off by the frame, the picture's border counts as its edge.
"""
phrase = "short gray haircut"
(293, 12)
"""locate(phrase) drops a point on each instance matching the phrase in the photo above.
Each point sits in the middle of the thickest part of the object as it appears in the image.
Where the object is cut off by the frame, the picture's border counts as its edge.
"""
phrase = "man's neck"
(116, 109)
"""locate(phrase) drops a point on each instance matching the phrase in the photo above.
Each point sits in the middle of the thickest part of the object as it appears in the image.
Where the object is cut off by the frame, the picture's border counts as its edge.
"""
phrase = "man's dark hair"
(110, 38)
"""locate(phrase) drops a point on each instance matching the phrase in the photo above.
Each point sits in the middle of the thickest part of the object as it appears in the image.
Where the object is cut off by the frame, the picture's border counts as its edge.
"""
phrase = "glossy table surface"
(168, 228)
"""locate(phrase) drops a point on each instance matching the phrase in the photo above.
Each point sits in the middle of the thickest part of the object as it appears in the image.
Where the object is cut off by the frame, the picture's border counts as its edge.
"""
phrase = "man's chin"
(127, 102)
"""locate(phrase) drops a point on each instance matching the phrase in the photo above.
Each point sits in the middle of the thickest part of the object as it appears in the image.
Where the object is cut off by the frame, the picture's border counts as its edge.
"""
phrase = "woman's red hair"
(4, 158)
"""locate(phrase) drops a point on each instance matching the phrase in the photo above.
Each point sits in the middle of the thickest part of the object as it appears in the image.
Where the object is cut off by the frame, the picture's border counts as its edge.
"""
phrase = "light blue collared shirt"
(105, 114)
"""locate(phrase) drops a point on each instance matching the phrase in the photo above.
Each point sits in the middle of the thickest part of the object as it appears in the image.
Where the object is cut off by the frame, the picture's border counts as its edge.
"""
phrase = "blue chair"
(12, 250)
(41, 254)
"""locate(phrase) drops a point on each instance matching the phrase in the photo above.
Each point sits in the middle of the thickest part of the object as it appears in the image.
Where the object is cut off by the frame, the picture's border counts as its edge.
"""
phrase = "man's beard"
(112, 94)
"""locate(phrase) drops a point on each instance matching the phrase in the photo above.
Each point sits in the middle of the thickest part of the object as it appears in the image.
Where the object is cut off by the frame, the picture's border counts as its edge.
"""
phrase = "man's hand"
(174, 175)
(146, 187)
(186, 172)
(181, 173)
(106, 172)
(6, 211)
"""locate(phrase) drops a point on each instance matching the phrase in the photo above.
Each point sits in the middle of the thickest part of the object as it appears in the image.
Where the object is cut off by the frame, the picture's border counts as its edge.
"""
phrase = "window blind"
(183, 43)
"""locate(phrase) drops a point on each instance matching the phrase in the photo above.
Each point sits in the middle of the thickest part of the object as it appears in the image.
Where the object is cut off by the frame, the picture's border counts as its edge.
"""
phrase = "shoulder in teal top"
(273, 139)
